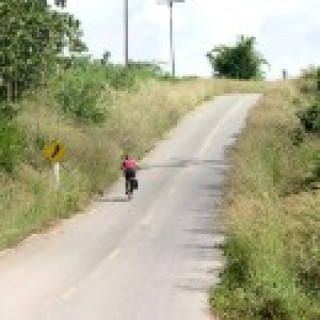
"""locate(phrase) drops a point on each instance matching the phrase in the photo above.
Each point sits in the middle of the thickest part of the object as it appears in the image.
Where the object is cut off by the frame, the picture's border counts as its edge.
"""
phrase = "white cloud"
(288, 31)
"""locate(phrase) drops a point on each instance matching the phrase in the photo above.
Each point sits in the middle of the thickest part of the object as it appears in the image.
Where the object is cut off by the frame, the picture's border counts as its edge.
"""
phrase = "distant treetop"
(241, 61)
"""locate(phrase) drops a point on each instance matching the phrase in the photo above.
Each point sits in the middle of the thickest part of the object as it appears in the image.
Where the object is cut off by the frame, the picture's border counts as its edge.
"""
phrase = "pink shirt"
(129, 164)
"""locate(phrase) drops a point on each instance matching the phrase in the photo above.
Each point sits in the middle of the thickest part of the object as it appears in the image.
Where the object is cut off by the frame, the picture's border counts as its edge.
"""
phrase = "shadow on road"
(114, 199)
(183, 163)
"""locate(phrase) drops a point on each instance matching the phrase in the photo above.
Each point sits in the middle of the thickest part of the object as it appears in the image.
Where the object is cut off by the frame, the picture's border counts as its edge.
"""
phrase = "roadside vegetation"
(97, 110)
(100, 111)
(96, 128)
(272, 209)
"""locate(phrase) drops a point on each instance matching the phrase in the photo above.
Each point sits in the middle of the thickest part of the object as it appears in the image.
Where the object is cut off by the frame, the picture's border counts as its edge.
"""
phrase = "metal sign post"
(56, 173)
(55, 152)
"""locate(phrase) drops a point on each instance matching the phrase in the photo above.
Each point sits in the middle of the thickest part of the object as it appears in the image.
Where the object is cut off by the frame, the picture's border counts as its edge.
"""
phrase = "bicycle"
(129, 167)
(131, 184)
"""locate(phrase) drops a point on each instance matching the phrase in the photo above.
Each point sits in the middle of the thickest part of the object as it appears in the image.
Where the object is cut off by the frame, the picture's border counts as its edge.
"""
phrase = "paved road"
(151, 259)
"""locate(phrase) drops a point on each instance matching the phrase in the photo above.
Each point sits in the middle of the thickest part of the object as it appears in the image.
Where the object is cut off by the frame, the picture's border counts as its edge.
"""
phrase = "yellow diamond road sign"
(54, 151)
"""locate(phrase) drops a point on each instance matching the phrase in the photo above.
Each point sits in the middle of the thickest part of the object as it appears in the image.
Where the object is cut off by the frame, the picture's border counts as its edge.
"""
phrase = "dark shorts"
(129, 174)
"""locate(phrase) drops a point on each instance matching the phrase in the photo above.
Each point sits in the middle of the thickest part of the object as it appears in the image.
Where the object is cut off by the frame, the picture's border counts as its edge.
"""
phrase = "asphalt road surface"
(153, 258)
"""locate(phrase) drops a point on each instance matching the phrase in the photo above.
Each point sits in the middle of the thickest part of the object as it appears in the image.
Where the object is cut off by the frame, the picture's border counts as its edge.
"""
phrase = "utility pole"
(126, 33)
(284, 74)
(172, 53)
(172, 50)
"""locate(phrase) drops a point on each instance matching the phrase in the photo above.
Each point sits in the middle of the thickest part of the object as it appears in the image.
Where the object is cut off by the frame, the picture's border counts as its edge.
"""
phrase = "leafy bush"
(119, 78)
(78, 90)
(237, 269)
(309, 82)
(78, 86)
(11, 143)
(8, 110)
(310, 118)
(297, 136)
(240, 61)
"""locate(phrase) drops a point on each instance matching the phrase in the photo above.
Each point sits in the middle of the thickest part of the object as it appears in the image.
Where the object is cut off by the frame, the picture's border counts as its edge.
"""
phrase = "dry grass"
(272, 219)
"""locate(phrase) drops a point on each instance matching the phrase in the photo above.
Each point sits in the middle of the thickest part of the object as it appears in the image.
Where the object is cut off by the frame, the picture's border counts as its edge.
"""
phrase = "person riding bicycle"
(129, 167)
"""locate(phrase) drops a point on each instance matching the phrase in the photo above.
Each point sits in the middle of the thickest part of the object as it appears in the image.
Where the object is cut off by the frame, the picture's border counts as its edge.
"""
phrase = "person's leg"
(127, 185)
(130, 174)
(127, 177)
(133, 176)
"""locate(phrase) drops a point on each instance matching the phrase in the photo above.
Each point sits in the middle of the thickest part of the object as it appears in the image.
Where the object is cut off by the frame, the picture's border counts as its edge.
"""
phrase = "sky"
(287, 31)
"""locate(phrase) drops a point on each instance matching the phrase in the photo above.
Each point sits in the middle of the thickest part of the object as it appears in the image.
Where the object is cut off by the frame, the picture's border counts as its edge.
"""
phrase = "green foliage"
(310, 118)
(145, 70)
(78, 89)
(241, 61)
(80, 81)
(309, 82)
(11, 143)
(272, 248)
(30, 41)
(309, 85)
(259, 283)
(237, 270)
(121, 78)
(297, 136)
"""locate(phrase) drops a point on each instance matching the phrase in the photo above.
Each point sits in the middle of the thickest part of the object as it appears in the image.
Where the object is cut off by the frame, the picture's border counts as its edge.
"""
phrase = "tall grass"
(272, 218)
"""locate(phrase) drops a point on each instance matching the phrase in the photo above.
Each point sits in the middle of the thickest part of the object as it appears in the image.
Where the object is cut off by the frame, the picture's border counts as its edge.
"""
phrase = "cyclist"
(129, 167)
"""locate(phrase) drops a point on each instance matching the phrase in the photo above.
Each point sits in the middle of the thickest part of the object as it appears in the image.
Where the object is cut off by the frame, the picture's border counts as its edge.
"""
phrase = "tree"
(241, 61)
(31, 40)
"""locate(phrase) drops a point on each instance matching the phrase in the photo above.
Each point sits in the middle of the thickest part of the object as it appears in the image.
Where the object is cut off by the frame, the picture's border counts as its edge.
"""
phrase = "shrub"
(297, 136)
(11, 143)
(119, 78)
(310, 118)
(78, 90)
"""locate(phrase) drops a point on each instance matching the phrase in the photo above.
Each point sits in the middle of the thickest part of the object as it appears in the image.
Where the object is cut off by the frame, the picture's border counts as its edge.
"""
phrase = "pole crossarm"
(168, 2)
